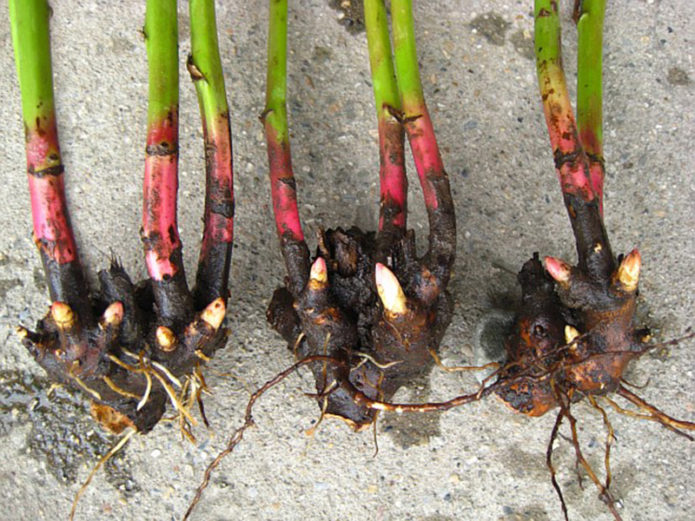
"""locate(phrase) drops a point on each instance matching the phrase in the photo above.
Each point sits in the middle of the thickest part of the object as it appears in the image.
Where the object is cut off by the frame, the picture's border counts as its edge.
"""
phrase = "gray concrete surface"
(480, 462)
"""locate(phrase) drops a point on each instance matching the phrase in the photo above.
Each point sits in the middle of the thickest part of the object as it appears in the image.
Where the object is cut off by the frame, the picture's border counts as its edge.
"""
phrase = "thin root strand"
(238, 434)
(121, 443)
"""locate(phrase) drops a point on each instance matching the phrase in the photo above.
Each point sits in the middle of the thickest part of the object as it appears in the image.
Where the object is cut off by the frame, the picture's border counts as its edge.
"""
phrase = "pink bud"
(558, 270)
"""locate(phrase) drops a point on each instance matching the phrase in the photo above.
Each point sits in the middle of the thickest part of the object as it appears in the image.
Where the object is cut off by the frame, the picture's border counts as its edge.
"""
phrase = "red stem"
(428, 161)
(435, 188)
(216, 249)
(159, 227)
(283, 191)
(393, 181)
(283, 187)
(160, 235)
(52, 229)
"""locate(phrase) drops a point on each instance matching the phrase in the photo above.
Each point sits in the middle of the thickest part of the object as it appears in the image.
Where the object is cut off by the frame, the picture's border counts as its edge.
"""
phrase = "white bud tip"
(390, 292)
(165, 338)
(62, 315)
(214, 313)
(570, 334)
(558, 270)
(628, 272)
(113, 314)
(318, 271)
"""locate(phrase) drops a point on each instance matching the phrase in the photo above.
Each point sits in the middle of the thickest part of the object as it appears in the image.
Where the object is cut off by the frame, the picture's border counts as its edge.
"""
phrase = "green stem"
(161, 29)
(383, 73)
(276, 79)
(33, 57)
(205, 56)
(589, 70)
(409, 83)
(589, 15)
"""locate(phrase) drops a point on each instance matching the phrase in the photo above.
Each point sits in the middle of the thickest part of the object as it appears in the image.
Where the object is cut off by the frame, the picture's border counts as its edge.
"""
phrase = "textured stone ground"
(481, 462)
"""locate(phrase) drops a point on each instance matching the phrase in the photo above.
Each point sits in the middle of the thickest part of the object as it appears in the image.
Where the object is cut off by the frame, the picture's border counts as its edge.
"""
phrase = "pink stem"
(283, 191)
(393, 181)
(52, 229)
(435, 188)
(160, 235)
(596, 176)
(428, 161)
(571, 162)
(218, 235)
(159, 227)
(283, 188)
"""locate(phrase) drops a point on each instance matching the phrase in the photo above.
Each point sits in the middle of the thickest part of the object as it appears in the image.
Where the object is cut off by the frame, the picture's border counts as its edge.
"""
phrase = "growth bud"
(628, 271)
(63, 315)
(22, 332)
(570, 334)
(113, 315)
(214, 313)
(165, 338)
(318, 276)
(390, 292)
(559, 270)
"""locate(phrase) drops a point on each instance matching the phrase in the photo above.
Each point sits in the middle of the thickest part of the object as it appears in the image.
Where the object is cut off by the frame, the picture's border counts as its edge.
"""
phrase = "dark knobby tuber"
(354, 309)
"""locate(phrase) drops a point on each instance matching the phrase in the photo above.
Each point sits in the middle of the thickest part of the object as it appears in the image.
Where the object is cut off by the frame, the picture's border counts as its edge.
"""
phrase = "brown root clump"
(573, 340)
(354, 310)
(127, 365)
(577, 337)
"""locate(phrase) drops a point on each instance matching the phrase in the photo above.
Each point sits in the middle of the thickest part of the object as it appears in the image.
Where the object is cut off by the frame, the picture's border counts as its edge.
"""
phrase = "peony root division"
(367, 300)
(132, 347)
(576, 333)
